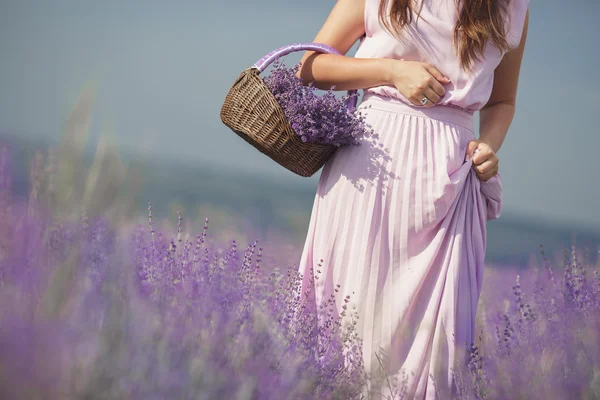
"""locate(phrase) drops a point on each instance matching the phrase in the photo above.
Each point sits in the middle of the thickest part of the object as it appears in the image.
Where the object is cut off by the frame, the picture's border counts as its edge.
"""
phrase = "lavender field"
(98, 303)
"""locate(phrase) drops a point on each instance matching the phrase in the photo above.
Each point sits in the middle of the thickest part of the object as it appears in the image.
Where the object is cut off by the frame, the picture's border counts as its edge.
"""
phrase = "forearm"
(345, 73)
(494, 121)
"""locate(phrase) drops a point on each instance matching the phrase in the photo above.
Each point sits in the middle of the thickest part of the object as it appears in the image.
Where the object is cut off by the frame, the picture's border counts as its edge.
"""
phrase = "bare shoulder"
(506, 74)
(519, 17)
(344, 25)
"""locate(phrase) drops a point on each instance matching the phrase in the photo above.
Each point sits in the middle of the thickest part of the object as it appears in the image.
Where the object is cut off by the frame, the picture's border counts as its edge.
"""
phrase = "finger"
(489, 174)
(471, 148)
(432, 96)
(483, 153)
(436, 73)
(415, 100)
(484, 167)
(427, 104)
(418, 99)
(437, 87)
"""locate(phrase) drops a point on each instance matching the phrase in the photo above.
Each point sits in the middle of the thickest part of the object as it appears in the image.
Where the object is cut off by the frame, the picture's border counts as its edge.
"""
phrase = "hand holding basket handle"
(252, 112)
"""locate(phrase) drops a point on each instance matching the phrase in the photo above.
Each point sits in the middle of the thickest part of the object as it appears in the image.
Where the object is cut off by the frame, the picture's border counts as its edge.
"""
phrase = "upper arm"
(343, 27)
(506, 75)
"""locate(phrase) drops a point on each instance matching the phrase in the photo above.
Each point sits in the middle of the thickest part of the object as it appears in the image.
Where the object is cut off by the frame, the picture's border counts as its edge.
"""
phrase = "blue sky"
(163, 68)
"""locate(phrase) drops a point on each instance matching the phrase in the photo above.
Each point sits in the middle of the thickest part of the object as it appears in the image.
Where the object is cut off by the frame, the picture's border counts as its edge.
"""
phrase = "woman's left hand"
(485, 160)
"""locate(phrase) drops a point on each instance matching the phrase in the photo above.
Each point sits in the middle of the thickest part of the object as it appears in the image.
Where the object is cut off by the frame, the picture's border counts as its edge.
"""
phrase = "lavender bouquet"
(315, 119)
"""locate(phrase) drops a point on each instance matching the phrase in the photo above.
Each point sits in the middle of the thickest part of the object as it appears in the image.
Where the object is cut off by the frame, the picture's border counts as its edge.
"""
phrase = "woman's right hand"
(416, 80)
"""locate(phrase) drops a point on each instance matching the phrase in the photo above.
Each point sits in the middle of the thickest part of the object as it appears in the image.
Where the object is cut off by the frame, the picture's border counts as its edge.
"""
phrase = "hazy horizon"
(162, 71)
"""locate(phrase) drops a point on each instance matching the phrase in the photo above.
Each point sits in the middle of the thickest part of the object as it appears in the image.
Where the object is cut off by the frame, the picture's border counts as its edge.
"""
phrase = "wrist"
(386, 67)
(494, 145)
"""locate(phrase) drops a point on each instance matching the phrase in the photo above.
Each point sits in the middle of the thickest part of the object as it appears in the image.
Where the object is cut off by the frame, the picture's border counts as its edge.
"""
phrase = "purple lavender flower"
(85, 313)
(315, 119)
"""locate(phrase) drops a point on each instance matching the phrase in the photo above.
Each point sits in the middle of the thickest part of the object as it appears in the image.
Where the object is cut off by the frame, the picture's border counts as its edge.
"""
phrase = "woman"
(399, 223)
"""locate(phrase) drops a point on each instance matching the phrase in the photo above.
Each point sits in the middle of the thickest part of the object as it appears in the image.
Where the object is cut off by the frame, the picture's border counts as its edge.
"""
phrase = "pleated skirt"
(399, 224)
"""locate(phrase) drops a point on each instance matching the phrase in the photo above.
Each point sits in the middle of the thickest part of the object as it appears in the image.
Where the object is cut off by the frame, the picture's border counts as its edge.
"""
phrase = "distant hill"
(512, 240)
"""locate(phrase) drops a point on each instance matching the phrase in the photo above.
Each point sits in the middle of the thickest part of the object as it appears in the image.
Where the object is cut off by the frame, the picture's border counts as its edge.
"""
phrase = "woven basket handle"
(268, 59)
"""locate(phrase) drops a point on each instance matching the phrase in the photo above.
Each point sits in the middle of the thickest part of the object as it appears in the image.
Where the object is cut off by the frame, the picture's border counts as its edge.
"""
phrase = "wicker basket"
(251, 111)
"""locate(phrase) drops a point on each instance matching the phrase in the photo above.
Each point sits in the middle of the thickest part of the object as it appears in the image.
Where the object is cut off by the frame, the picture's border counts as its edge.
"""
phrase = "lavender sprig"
(315, 119)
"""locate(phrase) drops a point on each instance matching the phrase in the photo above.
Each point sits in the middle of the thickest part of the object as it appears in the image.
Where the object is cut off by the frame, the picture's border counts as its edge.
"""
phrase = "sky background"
(162, 70)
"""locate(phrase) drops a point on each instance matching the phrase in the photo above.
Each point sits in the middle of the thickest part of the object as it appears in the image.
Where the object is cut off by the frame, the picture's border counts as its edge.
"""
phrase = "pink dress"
(400, 222)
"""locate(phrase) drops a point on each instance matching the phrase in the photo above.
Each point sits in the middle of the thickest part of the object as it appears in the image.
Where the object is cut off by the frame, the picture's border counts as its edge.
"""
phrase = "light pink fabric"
(399, 222)
(430, 40)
